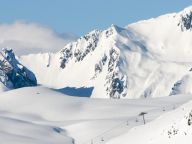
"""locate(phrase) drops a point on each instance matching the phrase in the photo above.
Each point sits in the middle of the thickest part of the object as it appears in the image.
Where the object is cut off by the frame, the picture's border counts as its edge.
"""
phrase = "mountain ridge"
(144, 59)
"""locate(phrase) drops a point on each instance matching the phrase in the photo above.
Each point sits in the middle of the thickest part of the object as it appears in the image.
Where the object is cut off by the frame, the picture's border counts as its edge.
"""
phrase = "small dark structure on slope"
(143, 115)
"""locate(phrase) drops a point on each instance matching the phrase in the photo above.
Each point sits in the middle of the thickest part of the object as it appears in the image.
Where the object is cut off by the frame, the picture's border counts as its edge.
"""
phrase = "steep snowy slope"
(168, 37)
(150, 58)
(171, 128)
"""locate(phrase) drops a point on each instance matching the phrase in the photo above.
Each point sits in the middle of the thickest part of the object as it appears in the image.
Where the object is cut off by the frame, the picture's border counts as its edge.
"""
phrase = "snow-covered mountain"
(147, 59)
(12, 73)
(150, 58)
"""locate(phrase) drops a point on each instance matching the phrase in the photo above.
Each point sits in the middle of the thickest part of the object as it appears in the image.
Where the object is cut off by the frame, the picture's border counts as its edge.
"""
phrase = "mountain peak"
(112, 30)
(116, 28)
(187, 9)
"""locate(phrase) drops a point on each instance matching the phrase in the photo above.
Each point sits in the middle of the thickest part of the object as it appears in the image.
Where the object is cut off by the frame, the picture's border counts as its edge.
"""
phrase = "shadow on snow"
(80, 92)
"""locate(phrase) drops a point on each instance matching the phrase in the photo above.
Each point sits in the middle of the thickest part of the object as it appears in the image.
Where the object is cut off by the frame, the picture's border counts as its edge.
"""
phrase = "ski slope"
(42, 115)
(173, 127)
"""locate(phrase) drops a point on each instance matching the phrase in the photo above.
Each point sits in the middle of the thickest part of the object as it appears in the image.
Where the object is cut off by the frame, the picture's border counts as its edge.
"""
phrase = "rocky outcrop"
(12, 73)
(79, 50)
(186, 20)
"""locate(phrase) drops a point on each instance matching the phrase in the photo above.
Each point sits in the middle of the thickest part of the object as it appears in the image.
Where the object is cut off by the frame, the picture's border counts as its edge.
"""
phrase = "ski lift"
(143, 115)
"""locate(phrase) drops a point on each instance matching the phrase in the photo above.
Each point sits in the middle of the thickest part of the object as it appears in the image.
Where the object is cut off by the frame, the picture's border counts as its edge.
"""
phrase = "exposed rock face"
(186, 20)
(79, 50)
(183, 85)
(189, 119)
(116, 83)
(12, 73)
(99, 66)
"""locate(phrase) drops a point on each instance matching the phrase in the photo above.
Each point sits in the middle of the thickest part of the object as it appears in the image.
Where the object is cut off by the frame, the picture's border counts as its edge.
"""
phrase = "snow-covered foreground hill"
(174, 127)
(150, 58)
(38, 115)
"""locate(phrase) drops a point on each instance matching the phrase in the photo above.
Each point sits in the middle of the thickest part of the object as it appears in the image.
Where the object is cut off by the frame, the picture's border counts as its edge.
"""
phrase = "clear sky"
(82, 16)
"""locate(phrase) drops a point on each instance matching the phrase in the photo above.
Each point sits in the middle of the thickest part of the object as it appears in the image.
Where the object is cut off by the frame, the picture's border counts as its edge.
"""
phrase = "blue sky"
(82, 16)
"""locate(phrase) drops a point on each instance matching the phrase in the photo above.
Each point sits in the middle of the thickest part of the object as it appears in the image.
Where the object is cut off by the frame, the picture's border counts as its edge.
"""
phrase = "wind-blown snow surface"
(39, 115)
(150, 58)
